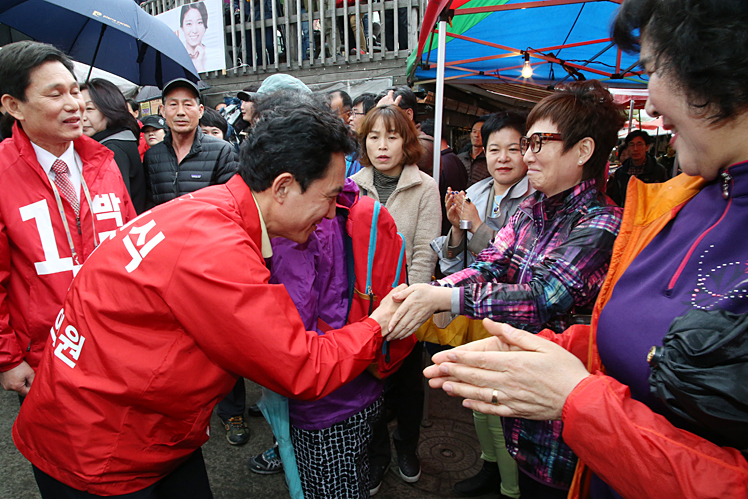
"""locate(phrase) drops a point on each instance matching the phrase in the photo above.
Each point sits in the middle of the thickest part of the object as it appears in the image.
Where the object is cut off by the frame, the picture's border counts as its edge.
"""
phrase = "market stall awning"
(625, 96)
(490, 40)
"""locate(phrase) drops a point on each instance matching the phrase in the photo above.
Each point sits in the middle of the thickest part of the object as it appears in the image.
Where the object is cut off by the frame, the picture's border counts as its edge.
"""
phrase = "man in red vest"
(61, 195)
(162, 319)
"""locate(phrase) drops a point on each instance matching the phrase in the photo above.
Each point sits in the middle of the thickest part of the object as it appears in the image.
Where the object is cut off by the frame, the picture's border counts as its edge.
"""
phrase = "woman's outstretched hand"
(418, 303)
(529, 376)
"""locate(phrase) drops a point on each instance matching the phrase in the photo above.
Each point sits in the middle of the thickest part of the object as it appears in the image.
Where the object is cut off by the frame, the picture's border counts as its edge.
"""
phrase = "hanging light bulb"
(527, 69)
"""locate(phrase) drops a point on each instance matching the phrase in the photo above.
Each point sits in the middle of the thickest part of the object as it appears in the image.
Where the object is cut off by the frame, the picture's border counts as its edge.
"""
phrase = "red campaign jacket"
(636, 451)
(157, 325)
(35, 258)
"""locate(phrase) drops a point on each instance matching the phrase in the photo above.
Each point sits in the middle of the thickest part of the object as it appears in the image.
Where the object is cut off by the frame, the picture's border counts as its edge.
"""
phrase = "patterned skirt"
(333, 462)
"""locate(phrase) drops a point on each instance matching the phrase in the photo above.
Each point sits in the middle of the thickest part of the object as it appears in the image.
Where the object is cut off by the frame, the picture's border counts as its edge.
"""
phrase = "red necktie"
(64, 185)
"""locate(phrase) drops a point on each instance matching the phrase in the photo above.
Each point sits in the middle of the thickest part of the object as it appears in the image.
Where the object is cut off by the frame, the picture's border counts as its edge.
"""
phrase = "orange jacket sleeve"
(640, 454)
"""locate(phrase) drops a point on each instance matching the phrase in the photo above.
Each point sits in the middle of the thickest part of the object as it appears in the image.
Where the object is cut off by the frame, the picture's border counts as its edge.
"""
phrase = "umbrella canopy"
(116, 36)
(626, 96)
(148, 92)
(127, 88)
(653, 126)
(490, 40)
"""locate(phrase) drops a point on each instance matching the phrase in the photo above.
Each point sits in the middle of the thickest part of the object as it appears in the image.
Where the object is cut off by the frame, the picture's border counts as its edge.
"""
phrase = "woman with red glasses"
(548, 263)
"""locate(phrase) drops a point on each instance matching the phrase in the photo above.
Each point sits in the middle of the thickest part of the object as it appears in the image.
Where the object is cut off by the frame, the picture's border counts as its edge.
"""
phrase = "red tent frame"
(437, 7)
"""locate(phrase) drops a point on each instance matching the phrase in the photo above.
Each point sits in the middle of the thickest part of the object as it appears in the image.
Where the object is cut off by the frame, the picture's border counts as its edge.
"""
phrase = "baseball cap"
(246, 96)
(180, 82)
(281, 81)
(154, 121)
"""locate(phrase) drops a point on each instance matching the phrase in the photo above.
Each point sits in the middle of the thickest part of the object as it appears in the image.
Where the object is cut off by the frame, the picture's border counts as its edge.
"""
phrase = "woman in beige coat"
(390, 149)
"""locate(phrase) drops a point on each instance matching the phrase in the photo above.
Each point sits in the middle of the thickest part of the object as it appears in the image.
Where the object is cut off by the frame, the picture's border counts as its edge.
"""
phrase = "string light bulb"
(526, 68)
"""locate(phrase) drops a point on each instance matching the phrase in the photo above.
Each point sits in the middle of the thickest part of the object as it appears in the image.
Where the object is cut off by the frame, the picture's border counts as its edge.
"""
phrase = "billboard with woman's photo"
(200, 27)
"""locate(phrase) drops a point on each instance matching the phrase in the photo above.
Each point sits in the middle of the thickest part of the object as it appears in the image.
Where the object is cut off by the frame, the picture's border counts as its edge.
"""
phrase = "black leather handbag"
(701, 374)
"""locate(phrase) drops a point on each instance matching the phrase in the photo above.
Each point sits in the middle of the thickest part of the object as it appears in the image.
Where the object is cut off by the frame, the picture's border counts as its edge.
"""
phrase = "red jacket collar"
(92, 154)
(247, 208)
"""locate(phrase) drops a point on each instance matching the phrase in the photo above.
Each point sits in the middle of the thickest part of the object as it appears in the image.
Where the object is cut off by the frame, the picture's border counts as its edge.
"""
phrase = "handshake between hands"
(512, 374)
(406, 308)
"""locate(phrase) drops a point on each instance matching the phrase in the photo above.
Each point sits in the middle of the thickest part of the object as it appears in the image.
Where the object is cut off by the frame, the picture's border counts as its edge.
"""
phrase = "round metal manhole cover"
(449, 452)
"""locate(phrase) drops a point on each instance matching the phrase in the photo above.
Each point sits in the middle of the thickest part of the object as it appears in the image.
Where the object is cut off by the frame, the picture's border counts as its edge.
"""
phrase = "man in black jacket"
(187, 159)
(640, 165)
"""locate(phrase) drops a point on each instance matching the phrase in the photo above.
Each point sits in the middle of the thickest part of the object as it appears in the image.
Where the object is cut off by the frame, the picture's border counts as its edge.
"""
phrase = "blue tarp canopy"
(490, 40)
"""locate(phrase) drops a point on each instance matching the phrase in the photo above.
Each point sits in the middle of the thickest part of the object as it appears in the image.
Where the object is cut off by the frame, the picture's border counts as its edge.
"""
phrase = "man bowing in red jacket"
(61, 194)
(163, 318)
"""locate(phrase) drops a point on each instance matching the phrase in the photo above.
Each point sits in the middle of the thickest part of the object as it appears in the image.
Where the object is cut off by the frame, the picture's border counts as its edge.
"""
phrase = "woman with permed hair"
(547, 264)
(677, 277)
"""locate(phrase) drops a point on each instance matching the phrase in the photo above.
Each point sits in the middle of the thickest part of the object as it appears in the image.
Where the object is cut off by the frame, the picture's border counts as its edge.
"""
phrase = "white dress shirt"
(70, 157)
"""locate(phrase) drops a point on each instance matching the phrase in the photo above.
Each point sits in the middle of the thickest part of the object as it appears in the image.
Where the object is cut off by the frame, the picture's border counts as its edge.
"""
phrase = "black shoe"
(376, 475)
(487, 480)
(237, 432)
(410, 468)
(267, 463)
(254, 411)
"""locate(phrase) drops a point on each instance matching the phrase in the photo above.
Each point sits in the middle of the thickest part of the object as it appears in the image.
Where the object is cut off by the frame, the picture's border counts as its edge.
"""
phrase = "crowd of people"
(144, 260)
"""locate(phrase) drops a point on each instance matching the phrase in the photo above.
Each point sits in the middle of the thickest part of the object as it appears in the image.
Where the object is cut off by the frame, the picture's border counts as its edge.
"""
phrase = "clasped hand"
(18, 379)
(460, 208)
(387, 308)
(406, 308)
(531, 376)
(418, 303)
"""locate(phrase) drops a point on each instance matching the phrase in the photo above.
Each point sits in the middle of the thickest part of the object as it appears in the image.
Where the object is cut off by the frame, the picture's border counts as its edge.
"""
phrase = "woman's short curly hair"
(395, 120)
(701, 44)
(583, 109)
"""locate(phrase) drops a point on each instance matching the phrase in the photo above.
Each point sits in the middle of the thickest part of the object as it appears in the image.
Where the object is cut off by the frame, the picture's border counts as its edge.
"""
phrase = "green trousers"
(493, 449)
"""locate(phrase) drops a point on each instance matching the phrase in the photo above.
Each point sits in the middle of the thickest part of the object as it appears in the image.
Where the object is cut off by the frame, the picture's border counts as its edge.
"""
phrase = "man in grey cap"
(250, 95)
(187, 159)
(279, 82)
(282, 82)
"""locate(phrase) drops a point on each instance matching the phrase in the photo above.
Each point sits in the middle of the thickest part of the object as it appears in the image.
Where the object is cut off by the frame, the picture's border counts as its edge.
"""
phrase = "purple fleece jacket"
(315, 275)
(699, 261)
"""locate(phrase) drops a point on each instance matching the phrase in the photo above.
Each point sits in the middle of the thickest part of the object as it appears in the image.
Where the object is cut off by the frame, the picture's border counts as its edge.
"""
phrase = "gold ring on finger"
(495, 397)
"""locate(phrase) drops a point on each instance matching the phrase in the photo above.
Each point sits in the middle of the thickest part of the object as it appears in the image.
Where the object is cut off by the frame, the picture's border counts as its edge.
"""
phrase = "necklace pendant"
(726, 179)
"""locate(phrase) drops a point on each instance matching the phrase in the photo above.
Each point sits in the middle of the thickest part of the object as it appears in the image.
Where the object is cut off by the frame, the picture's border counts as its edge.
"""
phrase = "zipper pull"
(78, 222)
(726, 179)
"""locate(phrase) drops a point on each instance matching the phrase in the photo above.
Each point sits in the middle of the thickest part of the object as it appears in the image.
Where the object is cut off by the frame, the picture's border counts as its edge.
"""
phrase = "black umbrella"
(114, 35)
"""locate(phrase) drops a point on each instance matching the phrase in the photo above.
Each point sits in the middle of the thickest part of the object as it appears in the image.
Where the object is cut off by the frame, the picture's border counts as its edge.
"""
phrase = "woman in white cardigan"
(390, 149)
